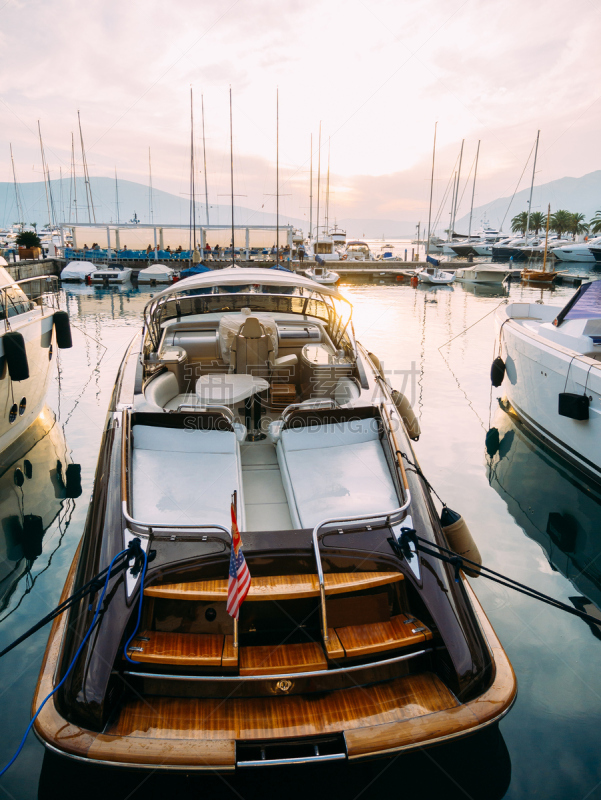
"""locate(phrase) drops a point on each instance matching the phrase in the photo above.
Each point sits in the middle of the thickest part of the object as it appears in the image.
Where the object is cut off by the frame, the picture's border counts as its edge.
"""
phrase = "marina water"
(532, 518)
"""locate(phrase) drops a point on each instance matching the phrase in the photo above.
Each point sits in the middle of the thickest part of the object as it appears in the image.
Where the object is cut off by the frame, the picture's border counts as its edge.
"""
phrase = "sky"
(375, 75)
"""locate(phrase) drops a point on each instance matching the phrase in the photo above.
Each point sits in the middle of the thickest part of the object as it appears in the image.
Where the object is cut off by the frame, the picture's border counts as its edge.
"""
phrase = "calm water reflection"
(531, 516)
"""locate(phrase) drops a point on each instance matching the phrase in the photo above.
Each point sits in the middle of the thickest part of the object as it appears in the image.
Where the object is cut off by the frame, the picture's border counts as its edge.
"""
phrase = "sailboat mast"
(469, 233)
(318, 187)
(232, 177)
(74, 179)
(17, 196)
(532, 187)
(192, 182)
(449, 235)
(50, 219)
(117, 195)
(150, 208)
(328, 192)
(457, 189)
(277, 174)
(547, 237)
(204, 156)
(311, 193)
(86, 175)
(431, 191)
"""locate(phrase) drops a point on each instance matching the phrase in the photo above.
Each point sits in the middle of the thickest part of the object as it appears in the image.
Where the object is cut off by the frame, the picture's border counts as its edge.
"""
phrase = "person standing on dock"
(301, 253)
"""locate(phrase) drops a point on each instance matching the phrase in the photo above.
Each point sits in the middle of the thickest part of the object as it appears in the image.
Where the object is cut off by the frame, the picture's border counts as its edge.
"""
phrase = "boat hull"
(365, 731)
(40, 344)
(537, 372)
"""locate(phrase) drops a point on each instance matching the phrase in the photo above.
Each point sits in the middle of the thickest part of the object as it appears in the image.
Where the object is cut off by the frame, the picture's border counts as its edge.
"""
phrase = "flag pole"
(235, 505)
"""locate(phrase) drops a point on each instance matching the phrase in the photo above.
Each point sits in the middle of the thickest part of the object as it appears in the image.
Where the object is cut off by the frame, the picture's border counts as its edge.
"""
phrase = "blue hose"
(131, 661)
(72, 664)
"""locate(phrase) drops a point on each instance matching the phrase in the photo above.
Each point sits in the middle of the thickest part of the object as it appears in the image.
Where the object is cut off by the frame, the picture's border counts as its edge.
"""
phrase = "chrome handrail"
(388, 515)
(219, 409)
(308, 404)
(283, 676)
(5, 290)
(150, 526)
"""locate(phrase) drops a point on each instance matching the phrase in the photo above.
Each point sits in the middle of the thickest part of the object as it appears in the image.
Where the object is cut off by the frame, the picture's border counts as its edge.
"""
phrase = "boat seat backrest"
(252, 349)
(161, 389)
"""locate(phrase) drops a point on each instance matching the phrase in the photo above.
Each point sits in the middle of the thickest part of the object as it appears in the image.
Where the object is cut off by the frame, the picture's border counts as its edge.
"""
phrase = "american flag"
(239, 580)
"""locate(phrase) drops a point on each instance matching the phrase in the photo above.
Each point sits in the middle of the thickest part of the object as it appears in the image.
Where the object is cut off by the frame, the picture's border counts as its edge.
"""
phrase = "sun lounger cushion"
(335, 470)
(185, 476)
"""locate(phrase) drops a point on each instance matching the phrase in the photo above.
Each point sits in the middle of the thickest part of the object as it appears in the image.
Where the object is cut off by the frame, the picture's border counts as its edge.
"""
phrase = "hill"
(574, 194)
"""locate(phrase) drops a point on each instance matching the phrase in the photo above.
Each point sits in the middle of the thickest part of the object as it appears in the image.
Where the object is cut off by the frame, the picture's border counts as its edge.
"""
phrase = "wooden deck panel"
(282, 659)
(359, 640)
(183, 649)
(277, 587)
(283, 716)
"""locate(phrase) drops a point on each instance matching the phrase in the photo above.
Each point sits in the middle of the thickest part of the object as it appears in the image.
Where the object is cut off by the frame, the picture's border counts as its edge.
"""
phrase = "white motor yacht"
(576, 252)
(550, 365)
(357, 250)
(323, 246)
(33, 327)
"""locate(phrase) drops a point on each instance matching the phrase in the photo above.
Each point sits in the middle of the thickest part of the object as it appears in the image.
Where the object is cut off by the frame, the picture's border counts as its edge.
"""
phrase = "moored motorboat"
(322, 275)
(552, 374)
(156, 273)
(115, 273)
(250, 383)
(576, 252)
(482, 273)
(77, 271)
(435, 275)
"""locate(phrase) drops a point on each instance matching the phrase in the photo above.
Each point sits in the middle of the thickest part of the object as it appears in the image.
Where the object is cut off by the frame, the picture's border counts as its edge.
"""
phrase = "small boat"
(324, 246)
(259, 411)
(78, 271)
(111, 274)
(322, 275)
(552, 377)
(156, 273)
(435, 275)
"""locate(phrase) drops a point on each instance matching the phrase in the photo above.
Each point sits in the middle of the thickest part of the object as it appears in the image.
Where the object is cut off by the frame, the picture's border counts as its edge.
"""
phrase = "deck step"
(399, 631)
(282, 659)
(184, 649)
(276, 587)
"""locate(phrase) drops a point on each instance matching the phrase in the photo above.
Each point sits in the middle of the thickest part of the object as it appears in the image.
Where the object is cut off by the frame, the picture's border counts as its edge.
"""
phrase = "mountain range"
(573, 194)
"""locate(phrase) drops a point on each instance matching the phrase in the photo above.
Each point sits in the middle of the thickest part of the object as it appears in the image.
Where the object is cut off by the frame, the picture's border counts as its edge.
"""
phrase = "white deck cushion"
(335, 470)
(185, 476)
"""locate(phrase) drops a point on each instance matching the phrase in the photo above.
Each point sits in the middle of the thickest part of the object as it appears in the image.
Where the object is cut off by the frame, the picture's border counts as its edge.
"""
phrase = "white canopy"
(240, 276)
(77, 270)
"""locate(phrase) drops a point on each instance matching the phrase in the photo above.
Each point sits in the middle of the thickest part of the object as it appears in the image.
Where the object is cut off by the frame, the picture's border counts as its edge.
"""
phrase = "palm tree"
(595, 223)
(560, 222)
(577, 225)
(538, 220)
(519, 223)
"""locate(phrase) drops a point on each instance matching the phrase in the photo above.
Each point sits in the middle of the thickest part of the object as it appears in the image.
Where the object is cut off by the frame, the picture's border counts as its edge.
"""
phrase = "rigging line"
(444, 199)
(488, 313)
(515, 190)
